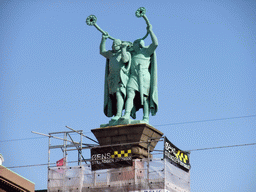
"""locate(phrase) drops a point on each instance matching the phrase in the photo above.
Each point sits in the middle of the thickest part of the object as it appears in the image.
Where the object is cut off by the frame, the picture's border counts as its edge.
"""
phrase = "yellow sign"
(182, 157)
(121, 154)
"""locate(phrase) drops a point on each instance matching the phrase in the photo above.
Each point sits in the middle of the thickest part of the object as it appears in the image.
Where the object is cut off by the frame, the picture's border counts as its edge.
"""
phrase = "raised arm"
(103, 50)
(152, 47)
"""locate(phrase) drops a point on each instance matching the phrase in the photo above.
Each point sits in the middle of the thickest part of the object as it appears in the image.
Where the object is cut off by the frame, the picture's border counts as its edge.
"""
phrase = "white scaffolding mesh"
(66, 179)
(153, 174)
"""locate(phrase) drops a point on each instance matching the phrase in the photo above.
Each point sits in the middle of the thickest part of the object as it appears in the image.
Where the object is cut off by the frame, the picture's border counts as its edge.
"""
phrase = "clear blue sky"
(52, 75)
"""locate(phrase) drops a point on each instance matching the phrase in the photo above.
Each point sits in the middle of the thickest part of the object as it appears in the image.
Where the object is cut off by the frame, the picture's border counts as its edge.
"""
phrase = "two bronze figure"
(130, 75)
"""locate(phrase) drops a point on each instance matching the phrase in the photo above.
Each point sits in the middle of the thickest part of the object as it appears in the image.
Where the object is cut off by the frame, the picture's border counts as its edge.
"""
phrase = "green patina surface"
(130, 76)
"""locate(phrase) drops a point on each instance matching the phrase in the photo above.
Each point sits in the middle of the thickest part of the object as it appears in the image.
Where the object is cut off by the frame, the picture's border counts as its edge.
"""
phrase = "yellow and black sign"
(122, 153)
(176, 156)
(111, 157)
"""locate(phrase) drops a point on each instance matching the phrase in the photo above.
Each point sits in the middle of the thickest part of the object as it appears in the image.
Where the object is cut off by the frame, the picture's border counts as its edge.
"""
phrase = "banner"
(176, 156)
(111, 157)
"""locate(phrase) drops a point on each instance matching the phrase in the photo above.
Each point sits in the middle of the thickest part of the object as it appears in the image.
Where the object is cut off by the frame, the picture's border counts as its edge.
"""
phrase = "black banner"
(176, 156)
(111, 157)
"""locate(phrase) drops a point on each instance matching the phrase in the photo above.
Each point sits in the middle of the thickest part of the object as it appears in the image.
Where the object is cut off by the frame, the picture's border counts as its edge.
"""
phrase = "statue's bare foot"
(126, 116)
(115, 118)
(146, 119)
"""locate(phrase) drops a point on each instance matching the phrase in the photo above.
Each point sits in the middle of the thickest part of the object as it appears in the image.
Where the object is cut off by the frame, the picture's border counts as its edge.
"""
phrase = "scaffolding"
(144, 175)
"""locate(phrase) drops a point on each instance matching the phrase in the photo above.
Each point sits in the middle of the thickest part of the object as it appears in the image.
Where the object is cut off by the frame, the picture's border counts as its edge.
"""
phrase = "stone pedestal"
(142, 137)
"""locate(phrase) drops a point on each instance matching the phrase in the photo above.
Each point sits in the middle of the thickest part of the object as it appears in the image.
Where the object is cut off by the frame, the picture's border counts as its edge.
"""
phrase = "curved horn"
(141, 13)
(91, 20)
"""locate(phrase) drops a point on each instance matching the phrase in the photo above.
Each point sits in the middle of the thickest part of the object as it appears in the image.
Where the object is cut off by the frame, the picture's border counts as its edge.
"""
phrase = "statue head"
(138, 44)
(116, 44)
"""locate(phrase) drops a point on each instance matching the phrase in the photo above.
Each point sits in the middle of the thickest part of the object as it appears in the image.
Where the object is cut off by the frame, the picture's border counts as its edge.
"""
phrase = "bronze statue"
(130, 75)
(142, 85)
(116, 77)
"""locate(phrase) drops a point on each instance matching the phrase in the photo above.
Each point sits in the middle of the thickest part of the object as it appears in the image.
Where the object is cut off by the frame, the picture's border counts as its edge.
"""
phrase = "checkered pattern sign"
(111, 157)
(176, 156)
(122, 153)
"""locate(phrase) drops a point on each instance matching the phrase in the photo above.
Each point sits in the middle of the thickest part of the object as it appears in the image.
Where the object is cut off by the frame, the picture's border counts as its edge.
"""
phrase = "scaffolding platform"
(146, 175)
(121, 161)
